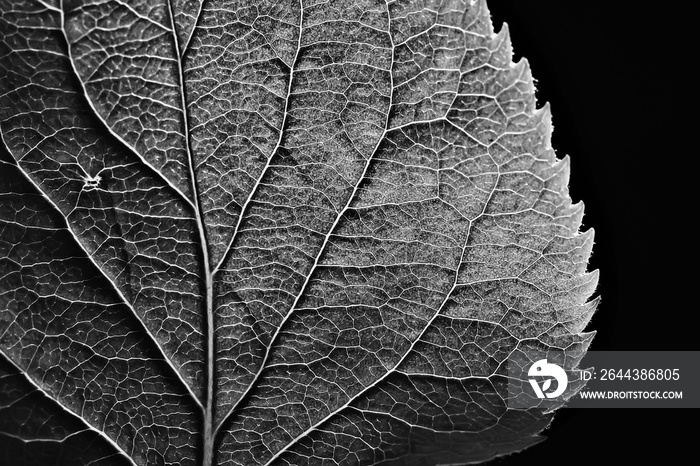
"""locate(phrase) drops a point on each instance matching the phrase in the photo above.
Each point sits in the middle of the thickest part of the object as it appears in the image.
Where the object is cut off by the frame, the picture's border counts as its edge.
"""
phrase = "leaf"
(271, 233)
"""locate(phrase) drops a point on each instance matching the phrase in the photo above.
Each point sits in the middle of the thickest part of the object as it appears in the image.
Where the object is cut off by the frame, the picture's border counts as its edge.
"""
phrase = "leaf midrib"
(207, 431)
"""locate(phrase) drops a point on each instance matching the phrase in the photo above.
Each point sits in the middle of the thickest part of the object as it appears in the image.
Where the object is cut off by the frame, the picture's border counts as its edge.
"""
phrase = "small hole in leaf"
(92, 182)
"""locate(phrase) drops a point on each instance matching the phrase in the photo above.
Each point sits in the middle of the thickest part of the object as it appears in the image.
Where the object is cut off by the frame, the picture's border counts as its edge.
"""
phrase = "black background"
(619, 77)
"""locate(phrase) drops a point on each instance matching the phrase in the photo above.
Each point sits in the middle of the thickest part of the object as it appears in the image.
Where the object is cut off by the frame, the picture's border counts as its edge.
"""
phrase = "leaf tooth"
(502, 48)
(571, 217)
(587, 339)
(558, 179)
(478, 18)
(524, 70)
(576, 319)
(586, 286)
(571, 254)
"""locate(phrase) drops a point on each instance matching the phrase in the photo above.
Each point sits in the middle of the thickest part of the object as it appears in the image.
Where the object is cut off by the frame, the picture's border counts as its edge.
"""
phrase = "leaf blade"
(386, 220)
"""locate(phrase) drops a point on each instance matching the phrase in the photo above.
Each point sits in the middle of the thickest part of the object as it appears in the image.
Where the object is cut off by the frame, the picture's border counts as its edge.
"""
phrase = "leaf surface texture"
(275, 233)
